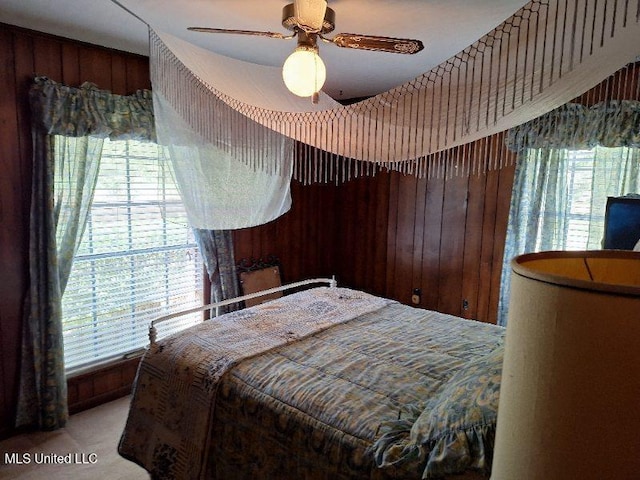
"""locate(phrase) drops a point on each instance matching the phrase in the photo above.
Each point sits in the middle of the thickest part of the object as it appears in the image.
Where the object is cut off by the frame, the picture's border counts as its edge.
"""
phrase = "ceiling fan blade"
(378, 44)
(241, 32)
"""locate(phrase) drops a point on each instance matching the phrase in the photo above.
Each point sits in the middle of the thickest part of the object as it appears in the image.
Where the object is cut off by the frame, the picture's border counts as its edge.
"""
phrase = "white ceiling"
(444, 26)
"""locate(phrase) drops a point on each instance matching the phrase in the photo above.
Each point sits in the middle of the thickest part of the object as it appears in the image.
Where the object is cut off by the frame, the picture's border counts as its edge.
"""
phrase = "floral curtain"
(216, 247)
(539, 212)
(68, 124)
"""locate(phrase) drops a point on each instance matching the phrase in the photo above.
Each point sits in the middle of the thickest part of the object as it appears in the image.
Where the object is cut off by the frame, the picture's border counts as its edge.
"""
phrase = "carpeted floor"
(89, 442)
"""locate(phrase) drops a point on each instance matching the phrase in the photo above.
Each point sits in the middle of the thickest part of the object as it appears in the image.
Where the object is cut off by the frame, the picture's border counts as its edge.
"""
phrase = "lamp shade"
(570, 395)
(304, 72)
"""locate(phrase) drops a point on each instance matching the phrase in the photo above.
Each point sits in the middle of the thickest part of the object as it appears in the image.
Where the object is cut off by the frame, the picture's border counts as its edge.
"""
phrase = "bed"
(325, 383)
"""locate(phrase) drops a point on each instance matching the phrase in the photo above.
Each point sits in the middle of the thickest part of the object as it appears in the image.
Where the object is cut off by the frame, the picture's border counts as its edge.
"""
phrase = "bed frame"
(153, 333)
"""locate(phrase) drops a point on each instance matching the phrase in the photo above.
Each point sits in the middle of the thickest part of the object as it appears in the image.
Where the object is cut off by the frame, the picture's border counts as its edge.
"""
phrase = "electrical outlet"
(416, 296)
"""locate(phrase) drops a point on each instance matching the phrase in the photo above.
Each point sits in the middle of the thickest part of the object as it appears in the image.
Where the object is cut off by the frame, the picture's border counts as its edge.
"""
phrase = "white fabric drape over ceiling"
(546, 54)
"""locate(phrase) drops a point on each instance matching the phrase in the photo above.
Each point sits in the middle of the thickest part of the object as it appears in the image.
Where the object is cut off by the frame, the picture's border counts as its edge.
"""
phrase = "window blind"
(593, 175)
(579, 198)
(137, 260)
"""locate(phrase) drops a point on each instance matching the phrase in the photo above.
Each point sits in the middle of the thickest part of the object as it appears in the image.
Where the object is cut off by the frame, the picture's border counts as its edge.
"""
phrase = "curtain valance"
(87, 111)
(608, 124)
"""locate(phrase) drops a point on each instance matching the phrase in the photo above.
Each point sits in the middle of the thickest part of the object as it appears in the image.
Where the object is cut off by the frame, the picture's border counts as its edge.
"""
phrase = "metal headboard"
(152, 326)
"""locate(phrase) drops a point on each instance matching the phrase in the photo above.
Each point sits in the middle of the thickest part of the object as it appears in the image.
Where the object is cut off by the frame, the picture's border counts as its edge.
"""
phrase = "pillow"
(456, 430)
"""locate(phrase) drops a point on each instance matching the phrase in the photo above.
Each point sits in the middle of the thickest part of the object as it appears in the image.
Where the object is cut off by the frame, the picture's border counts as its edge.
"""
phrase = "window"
(137, 260)
(572, 207)
(559, 201)
(580, 217)
(594, 175)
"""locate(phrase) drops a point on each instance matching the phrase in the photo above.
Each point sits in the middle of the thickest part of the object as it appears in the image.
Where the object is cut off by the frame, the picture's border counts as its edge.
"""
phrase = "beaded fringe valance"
(546, 54)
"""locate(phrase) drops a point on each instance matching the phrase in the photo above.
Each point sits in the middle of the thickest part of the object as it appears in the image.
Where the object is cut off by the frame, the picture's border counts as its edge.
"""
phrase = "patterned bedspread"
(298, 388)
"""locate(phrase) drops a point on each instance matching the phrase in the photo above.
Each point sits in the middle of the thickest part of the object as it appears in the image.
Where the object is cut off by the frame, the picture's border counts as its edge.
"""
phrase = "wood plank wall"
(23, 54)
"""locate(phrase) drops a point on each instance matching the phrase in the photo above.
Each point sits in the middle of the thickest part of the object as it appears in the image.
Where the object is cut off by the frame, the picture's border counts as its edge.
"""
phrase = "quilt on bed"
(332, 404)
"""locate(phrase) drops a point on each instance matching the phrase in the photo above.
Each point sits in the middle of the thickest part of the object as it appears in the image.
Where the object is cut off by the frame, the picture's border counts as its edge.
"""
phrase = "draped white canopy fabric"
(220, 192)
(546, 54)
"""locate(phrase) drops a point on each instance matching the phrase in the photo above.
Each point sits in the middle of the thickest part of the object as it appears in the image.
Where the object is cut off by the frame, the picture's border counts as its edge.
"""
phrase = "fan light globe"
(304, 72)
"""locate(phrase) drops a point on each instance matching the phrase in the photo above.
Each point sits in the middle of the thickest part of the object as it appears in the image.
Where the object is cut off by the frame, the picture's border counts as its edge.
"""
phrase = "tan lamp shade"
(570, 395)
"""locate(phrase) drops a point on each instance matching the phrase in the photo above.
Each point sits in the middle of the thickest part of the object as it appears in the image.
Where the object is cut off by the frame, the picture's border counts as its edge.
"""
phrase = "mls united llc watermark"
(39, 458)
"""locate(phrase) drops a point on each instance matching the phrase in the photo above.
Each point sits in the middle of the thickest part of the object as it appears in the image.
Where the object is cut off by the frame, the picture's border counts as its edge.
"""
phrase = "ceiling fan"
(304, 72)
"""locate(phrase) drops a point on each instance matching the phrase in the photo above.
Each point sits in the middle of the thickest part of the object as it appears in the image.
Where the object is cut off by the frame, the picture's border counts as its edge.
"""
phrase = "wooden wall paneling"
(11, 274)
(257, 248)
(431, 242)
(73, 397)
(104, 383)
(321, 231)
(343, 224)
(360, 233)
(473, 238)
(486, 263)
(266, 236)
(379, 277)
(138, 77)
(119, 75)
(90, 389)
(418, 237)
(452, 242)
(405, 237)
(25, 66)
(24, 74)
(281, 237)
(84, 387)
(27, 63)
(392, 227)
(339, 222)
(242, 245)
(328, 230)
(282, 243)
(362, 253)
(369, 186)
(296, 221)
(260, 248)
(286, 245)
(24, 70)
(95, 67)
(312, 224)
(71, 65)
(47, 58)
(317, 226)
